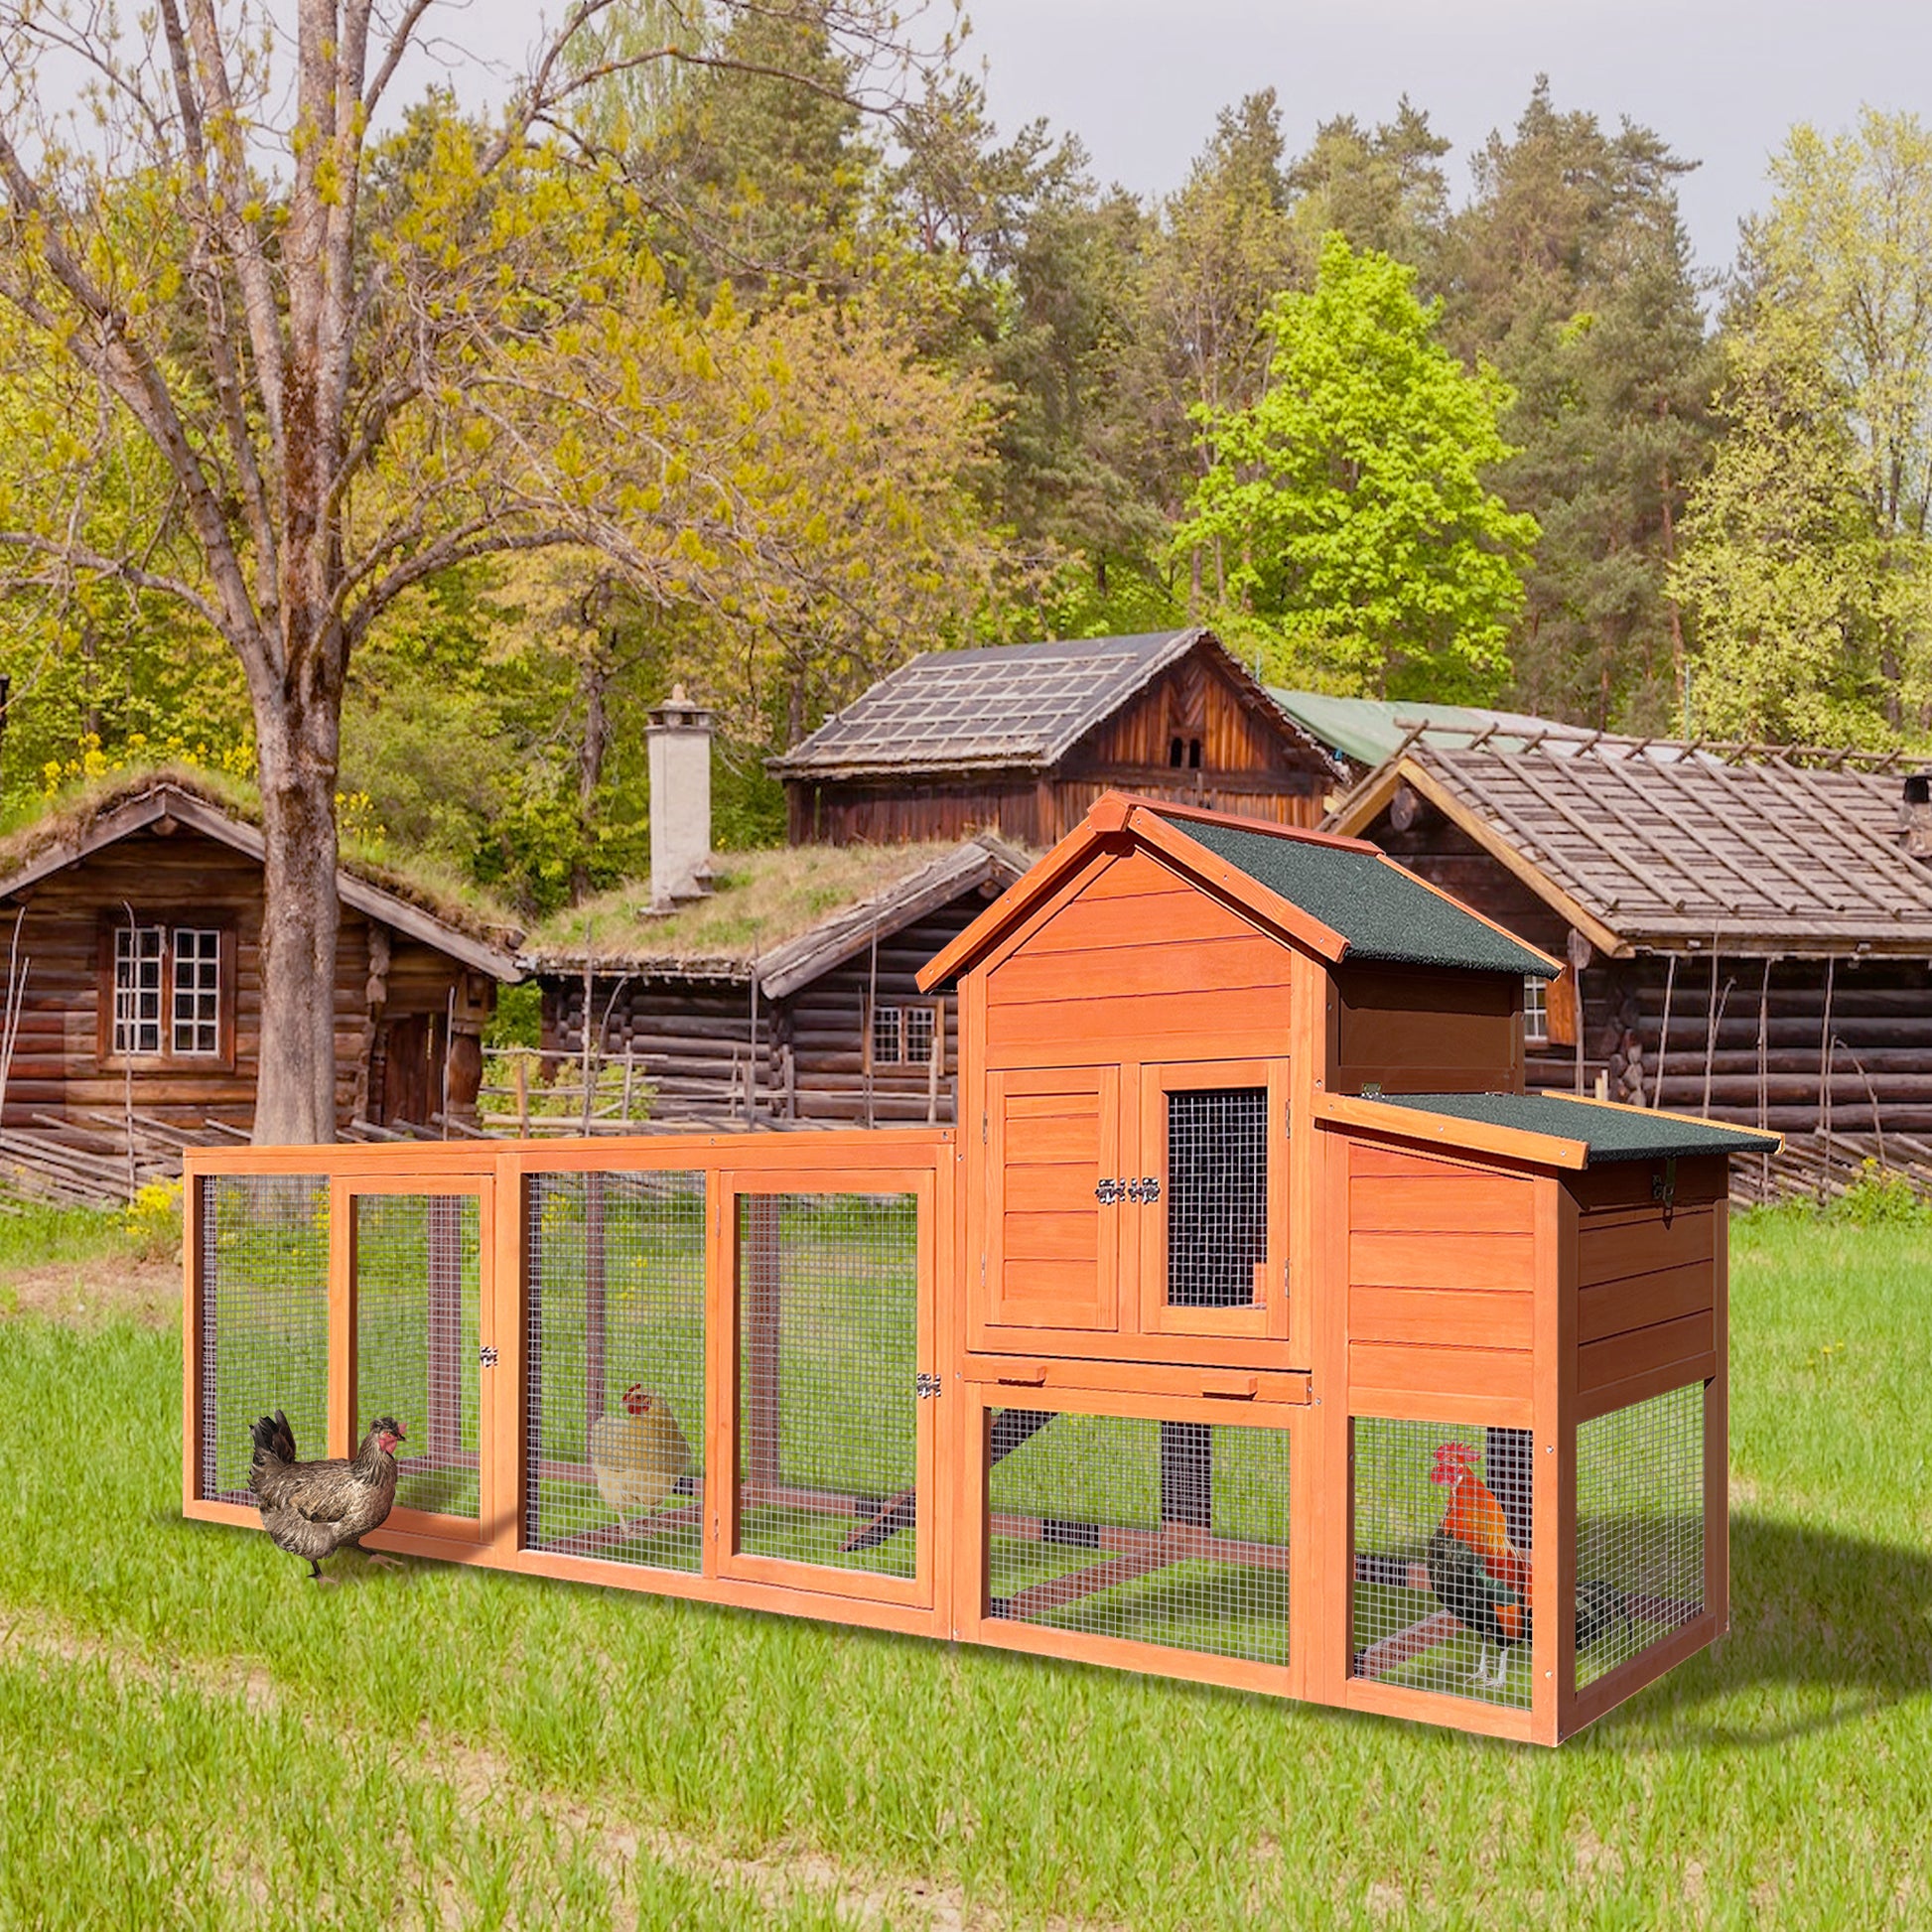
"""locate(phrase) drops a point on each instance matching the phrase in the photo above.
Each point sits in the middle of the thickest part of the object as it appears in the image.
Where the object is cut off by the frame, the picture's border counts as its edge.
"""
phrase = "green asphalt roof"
(1609, 1133)
(1382, 911)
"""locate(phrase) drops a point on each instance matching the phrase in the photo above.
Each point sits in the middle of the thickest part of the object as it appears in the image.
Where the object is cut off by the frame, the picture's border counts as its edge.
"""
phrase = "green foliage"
(518, 1019)
(1569, 270)
(1880, 1196)
(1346, 516)
(1808, 556)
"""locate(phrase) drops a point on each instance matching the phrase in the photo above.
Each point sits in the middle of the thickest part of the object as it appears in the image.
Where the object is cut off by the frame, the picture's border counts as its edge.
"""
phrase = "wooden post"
(444, 1329)
(1663, 1034)
(522, 1096)
(935, 1060)
(759, 1426)
(594, 1312)
(629, 1074)
(1825, 1085)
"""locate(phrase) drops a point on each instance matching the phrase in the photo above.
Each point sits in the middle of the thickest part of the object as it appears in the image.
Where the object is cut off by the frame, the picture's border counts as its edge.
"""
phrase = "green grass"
(190, 1734)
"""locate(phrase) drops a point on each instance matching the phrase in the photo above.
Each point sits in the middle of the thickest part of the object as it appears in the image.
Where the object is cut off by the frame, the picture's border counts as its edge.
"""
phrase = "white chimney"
(1915, 814)
(680, 802)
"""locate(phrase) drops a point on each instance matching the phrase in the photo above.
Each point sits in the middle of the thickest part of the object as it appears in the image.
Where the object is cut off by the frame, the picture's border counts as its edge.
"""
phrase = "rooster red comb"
(1454, 1462)
(635, 1400)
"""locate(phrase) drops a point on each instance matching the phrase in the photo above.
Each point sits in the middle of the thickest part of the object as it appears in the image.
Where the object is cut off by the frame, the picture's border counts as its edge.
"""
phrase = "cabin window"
(137, 988)
(1536, 1010)
(904, 1036)
(1175, 752)
(1194, 754)
(196, 1018)
(165, 993)
(1217, 1195)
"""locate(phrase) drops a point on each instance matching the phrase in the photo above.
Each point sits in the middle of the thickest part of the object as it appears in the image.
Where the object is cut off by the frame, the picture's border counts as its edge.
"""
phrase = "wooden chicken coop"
(1255, 1325)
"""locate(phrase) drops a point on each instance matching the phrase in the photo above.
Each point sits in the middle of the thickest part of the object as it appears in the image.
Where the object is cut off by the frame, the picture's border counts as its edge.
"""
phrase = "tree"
(1382, 187)
(1831, 376)
(1570, 271)
(1347, 503)
(1784, 573)
(345, 406)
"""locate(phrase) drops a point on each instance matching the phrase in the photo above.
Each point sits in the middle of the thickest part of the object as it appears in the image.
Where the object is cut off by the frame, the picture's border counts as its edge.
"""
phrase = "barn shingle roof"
(1663, 845)
(1013, 706)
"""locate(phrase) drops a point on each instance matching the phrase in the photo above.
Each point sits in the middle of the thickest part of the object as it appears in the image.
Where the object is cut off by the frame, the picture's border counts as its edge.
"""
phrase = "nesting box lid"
(1341, 899)
(1551, 1128)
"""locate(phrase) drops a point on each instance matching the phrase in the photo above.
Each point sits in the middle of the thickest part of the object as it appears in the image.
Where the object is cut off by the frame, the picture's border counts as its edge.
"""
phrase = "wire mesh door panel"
(1213, 1200)
(615, 1366)
(263, 1260)
(416, 1265)
(1640, 1528)
(830, 1386)
(1167, 1531)
(1441, 1557)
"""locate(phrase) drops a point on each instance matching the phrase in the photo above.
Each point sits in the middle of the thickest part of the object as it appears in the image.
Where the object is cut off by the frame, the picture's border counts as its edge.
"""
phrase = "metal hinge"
(982, 1130)
(927, 1386)
(1663, 1186)
(1288, 1120)
(487, 1356)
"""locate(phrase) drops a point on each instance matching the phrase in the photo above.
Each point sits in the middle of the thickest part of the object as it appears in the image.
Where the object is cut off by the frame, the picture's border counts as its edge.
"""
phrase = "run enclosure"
(1185, 1356)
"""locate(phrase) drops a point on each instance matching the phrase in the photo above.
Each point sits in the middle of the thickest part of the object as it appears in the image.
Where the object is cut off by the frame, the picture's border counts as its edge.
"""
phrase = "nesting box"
(1253, 1325)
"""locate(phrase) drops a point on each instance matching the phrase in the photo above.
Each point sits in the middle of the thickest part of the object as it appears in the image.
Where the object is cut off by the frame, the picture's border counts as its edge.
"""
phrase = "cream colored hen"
(637, 1456)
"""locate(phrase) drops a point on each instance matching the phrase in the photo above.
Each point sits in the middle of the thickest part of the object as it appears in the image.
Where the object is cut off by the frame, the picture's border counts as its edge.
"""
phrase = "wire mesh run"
(1441, 1557)
(828, 1356)
(1217, 1195)
(1171, 1533)
(264, 1320)
(616, 1366)
(416, 1292)
(1639, 1527)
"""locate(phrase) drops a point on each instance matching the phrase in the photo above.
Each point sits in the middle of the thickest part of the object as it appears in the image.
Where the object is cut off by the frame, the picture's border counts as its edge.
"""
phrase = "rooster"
(638, 1456)
(1484, 1581)
(311, 1509)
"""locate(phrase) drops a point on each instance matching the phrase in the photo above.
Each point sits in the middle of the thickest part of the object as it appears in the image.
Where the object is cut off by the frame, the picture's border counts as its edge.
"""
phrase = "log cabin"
(138, 910)
(1021, 739)
(1747, 933)
(788, 992)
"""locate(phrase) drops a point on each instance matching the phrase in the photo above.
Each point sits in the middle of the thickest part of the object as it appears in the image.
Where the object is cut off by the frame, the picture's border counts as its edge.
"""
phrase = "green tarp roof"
(1609, 1133)
(1368, 729)
(1382, 911)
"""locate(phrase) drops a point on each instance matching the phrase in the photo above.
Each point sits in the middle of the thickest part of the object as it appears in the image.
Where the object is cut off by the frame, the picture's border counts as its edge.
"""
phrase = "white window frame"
(1536, 1010)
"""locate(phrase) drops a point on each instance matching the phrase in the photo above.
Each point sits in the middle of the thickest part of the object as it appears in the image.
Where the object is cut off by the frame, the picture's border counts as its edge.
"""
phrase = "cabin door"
(412, 1071)
(416, 1342)
(828, 1381)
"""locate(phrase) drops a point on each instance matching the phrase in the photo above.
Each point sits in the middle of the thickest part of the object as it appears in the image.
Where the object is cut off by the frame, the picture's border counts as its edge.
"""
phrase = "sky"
(1722, 80)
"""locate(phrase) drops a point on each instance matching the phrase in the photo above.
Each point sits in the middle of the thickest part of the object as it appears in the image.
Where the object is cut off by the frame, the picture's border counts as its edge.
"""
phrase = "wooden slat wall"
(1140, 966)
(184, 876)
(1442, 1287)
(1646, 1299)
(1410, 1029)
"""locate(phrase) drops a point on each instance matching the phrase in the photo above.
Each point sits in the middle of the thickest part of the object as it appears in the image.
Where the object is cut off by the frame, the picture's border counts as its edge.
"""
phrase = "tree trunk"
(295, 1097)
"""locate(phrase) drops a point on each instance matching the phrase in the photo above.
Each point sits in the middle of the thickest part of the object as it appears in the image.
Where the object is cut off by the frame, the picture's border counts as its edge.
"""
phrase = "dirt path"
(778, 1879)
(86, 1291)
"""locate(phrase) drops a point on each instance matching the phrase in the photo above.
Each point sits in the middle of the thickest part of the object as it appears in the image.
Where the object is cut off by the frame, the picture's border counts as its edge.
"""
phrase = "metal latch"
(1663, 1186)
(1148, 1187)
(486, 1355)
(927, 1386)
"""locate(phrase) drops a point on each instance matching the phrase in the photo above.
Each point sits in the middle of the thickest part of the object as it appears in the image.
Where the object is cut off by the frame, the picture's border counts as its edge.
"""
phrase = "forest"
(743, 350)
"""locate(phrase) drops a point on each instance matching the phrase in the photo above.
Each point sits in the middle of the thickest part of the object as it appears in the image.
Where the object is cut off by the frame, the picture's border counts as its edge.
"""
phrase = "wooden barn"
(789, 992)
(140, 919)
(1746, 935)
(1254, 1326)
(1022, 740)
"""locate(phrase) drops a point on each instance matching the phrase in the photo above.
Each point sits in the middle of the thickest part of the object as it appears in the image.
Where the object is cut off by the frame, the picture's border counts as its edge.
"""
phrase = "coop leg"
(1186, 1474)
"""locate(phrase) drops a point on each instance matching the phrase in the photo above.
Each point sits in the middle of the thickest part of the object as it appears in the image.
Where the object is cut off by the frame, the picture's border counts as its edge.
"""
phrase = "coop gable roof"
(1554, 1130)
(1664, 846)
(1339, 897)
(66, 838)
(1021, 707)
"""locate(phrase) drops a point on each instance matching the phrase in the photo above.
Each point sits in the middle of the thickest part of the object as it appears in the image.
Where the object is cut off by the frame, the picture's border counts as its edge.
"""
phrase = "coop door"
(831, 1383)
(1054, 1180)
(419, 1345)
(1212, 1227)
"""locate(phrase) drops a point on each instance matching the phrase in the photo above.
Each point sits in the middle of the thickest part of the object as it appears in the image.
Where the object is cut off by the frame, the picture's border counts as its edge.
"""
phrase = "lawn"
(191, 1734)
